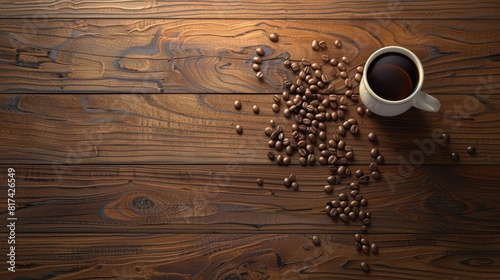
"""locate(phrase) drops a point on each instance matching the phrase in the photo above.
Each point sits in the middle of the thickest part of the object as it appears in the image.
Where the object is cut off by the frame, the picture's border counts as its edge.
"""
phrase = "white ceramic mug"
(385, 107)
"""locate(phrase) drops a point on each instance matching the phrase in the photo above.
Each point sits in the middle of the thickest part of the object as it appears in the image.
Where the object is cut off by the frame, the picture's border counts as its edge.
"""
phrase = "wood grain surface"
(214, 56)
(118, 118)
(256, 256)
(251, 9)
(226, 199)
(193, 128)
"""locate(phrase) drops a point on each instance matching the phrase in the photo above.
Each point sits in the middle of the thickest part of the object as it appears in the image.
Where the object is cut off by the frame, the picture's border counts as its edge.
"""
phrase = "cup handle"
(426, 102)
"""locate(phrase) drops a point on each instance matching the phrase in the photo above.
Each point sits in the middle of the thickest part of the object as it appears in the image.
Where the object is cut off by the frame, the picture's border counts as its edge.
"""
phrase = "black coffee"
(393, 76)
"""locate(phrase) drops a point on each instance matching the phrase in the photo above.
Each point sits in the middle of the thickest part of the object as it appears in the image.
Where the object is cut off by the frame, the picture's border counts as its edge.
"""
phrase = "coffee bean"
(348, 93)
(341, 66)
(342, 197)
(315, 45)
(359, 173)
(260, 51)
(310, 148)
(363, 179)
(355, 129)
(302, 161)
(347, 125)
(311, 159)
(260, 75)
(348, 83)
(455, 156)
(380, 159)
(287, 161)
(354, 186)
(295, 186)
(343, 74)
(471, 150)
(271, 144)
(338, 43)
(325, 57)
(270, 155)
(278, 145)
(256, 109)
(365, 267)
(237, 104)
(316, 241)
(344, 218)
(357, 237)
(361, 215)
(279, 160)
(276, 99)
(352, 215)
(363, 202)
(239, 129)
(360, 111)
(373, 166)
(341, 130)
(341, 170)
(328, 188)
(357, 77)
(365, 249)
(368, 214)
(322, 44)
(257, 60)
(287, 63)
(368, 112)
(256, 67)
(334, 213)
(275, 107)
(287, 182)
(374, 248)
(273, 37)
(347, 209)
(295, 67)
(359, 69)
(316, 66)
(349, 155)
(289, 150)
(445, 137)
(376, 175)
(364, 241)
(372, 137)
(341, 144)
(260, 182)
(374, 153)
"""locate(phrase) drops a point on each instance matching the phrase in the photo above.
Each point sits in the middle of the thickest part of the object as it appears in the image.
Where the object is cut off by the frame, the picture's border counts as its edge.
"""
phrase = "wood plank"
(207, 199)
(222, 9)
(213, 56)
(253, 256)
(192, 129)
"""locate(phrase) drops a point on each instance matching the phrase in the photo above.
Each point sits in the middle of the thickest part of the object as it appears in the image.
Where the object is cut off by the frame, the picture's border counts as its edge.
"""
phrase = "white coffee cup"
(385, 107)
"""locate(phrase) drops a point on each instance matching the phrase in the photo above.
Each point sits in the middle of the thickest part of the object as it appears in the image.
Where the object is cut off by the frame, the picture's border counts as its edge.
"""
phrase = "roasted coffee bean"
(260, 51)
(352, 215)
(341, 66)
(361, 215)
(345, 59)
(322, 44)
(310, 148)
(256, 67)
(260, 182)
(331, 88)
(343, 204)
(322, 160)
(341, 113)
(302, 161)
(316, 241)
(239, 129)
(359, 173)
(237, 104)
(322, 135)
(374, 153)
(341, 131)
(342, 196)
(316, 66)
(366, 221)
(347, 124)
(279, 160)
(257, 60)
(287, 63)
(373, 166)
(273, 37)
(376, 175)
(281, 136)
(360, 111)
(325, 153)
(287, 161)
(363, 202)
(365, 249)
(357, 77)
(380, 159)
(335, 203)
(334, 213)
(295, 67)
(360, 69)
(455, 156)
(354, 186)
(311, 159)
(295, 186)
(315, 45)
(348, 93)
(344, 74)
(271, 144)
(357, 237)
(328, 208)
(341, 170)
(372, 137)
(343, 108)
(349, 155)
(270, 155)
(317, 74)
(365, 267)
(289, 150)
(348, 83)
(341, 145)
(363, 179)
(328, 188)
(260, 75)
(305, 62)
(374, 248)
(445, 137)
(276, 99)
(286, 142)
(338, 43)
(287, 182)
(344, 218)
(355, 129)
(471, 150)
(275, 107)
(256, 109)
(347, 209)
(325, 57)
(278, 145)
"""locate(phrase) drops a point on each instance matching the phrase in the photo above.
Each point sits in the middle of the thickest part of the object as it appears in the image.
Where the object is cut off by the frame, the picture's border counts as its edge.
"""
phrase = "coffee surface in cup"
(393, 76)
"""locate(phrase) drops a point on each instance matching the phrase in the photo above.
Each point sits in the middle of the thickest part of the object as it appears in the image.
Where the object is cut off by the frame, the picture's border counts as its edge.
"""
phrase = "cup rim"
(401, 50)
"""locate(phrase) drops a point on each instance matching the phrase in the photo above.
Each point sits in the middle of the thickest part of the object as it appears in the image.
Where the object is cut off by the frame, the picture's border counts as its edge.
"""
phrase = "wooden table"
(118, 119)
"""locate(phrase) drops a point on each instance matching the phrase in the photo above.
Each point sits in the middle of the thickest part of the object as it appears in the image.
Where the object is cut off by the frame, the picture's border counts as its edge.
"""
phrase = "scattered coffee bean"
(344, 218)
(343, 74)
(359, 69)
(295, 67)
(295, 186)
(287, 63)
(368, 112)
(260, 182)
(270, 155)
(257, 60)
(471, 150)
(322, 44)
(345, 59)
(365, 249)
(255, 109)
(376, 175)
(348, 83)
(374, 153)
(357, 77)
(374, 248)
(275, 107)
(328, 188)
(372, 137)
(237, 104)
(455, 156)
(239, 129)
(359, 173)
(365, 267)
(286, 161)
(338, 43)
(354, 186)
(380, 159)
(373, 166)
(273, 37)
(260, 51)
(315, 45)
(341, 66)
(260, 75)
(279, 160)
(316, 241)
(360, 111)
(256, 67)
(363, 179)
(355, 129)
